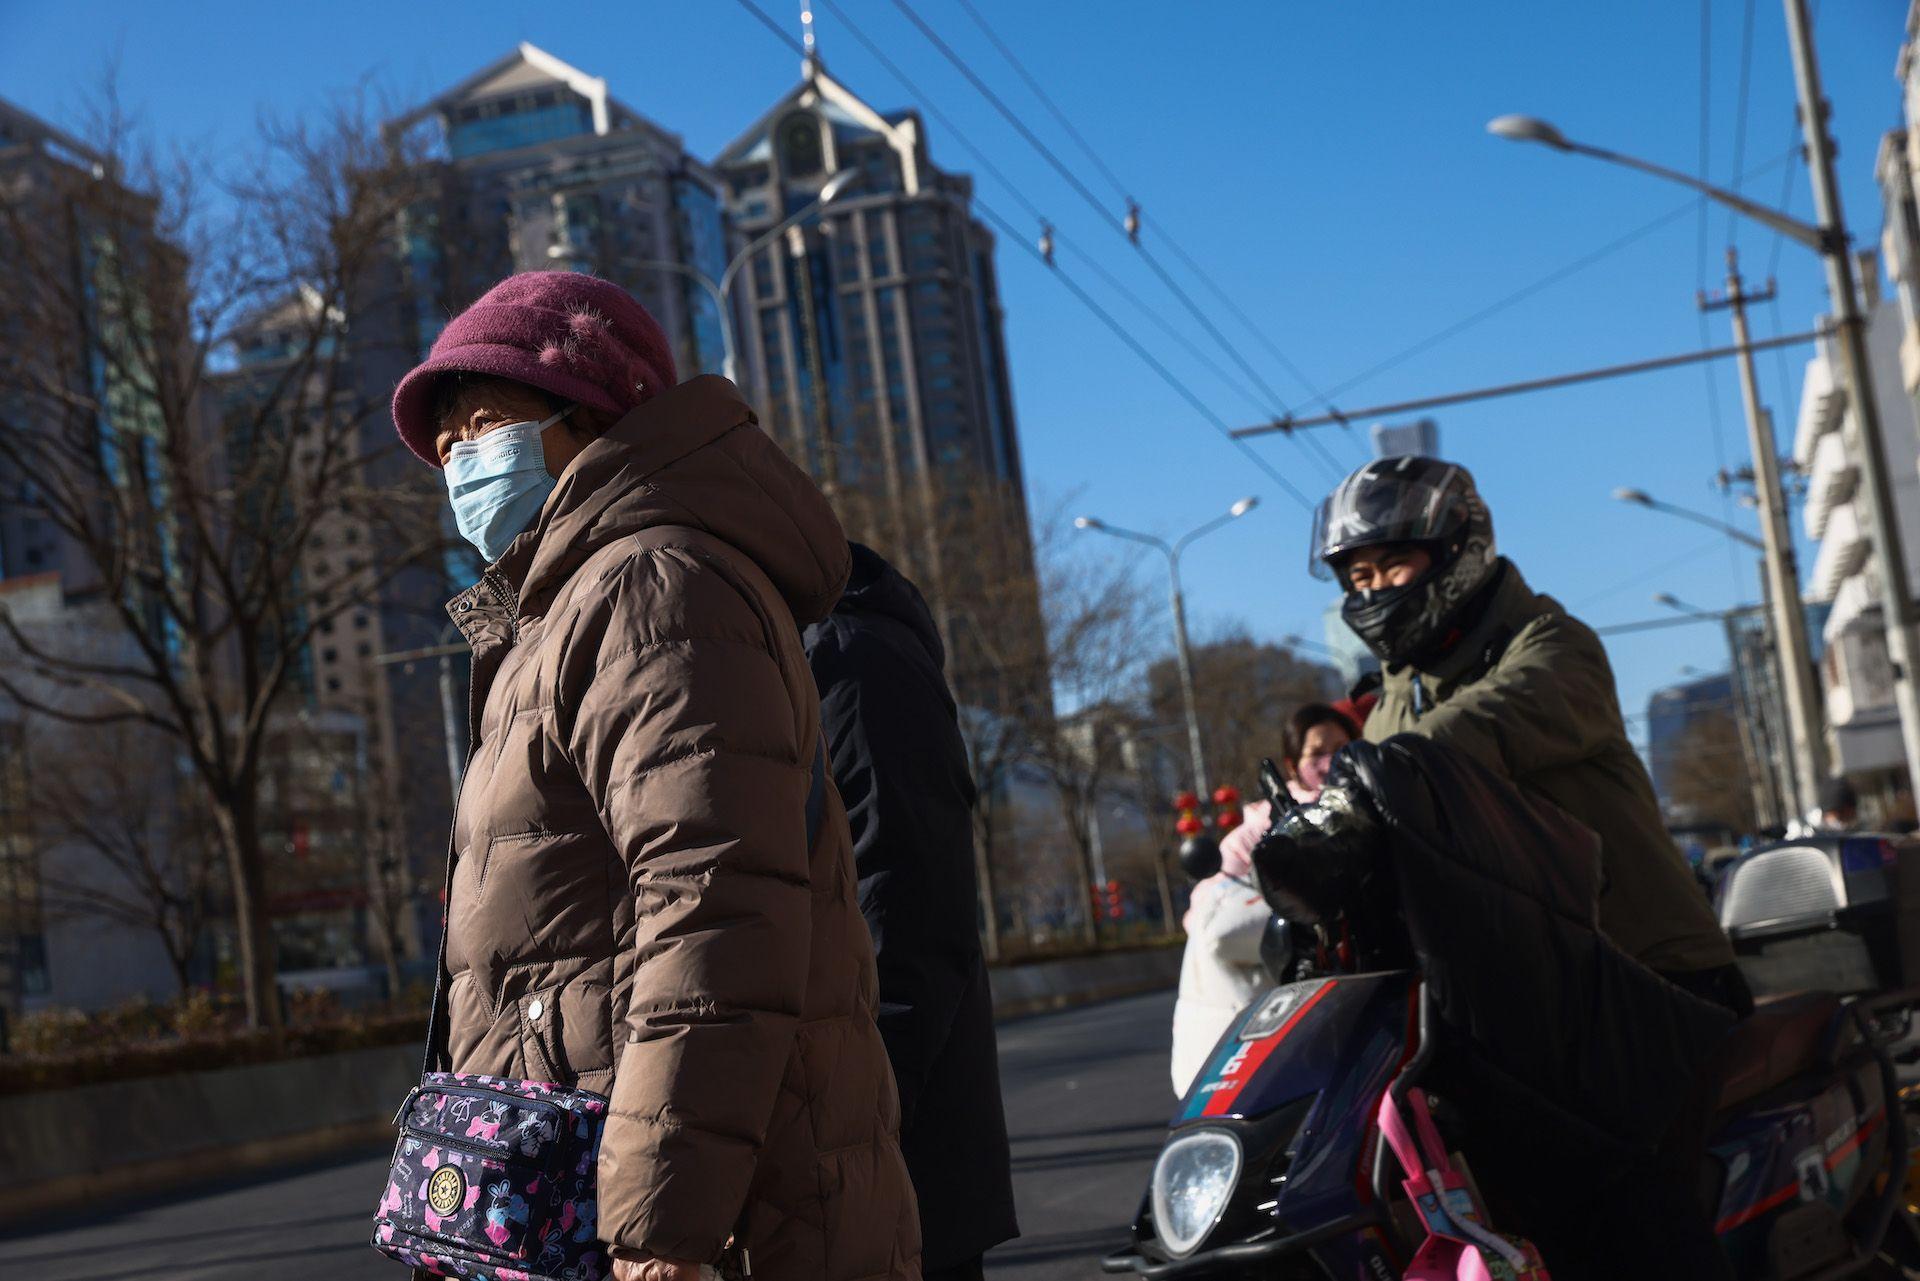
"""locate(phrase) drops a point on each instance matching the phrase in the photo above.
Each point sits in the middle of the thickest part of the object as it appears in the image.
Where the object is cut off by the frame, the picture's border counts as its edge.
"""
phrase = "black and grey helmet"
(1408, 499)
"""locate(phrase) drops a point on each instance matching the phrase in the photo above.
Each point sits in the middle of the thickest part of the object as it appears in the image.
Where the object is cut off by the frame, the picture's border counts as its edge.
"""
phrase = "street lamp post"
(721, 290)
(1183, 652)
(1830, 239)
(1805, 740)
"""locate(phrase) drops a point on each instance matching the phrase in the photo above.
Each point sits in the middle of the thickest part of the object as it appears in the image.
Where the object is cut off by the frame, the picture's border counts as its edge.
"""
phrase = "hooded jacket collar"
(876, 587)
(692, 456)
(1509, 607)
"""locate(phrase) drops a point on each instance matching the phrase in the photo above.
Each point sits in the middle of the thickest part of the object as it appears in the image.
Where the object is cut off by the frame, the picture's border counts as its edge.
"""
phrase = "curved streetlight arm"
(718, 292)
(705, 281)
(1640, 498)
(1738, 535)
(1806, 233)
(1131, 535)
(1527, 129)
(1180, 544)
(830, 191)
(1670, 601)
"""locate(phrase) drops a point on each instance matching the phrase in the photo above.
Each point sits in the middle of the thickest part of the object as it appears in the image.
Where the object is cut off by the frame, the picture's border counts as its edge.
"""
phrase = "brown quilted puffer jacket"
(634, 909)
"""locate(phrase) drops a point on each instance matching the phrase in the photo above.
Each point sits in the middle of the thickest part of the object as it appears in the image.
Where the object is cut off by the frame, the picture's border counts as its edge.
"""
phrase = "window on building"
(801, 152)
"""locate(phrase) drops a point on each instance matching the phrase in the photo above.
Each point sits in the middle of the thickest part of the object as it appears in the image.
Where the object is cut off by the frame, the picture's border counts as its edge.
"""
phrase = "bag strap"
(437, 1015)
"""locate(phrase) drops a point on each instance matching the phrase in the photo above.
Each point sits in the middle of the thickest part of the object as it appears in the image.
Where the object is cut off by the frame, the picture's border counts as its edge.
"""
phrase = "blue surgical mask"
(498, 484)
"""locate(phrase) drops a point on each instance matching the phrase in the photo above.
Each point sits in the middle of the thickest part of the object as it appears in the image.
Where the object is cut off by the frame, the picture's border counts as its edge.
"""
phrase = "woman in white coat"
(1220, 974)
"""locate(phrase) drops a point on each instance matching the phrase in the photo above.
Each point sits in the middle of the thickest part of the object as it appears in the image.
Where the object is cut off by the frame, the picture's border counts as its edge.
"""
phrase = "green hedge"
(58, 1048)
(55, 1048)
(25, 1073)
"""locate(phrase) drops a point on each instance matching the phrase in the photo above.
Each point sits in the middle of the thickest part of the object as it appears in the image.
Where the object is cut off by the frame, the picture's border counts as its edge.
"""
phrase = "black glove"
(1315, 859)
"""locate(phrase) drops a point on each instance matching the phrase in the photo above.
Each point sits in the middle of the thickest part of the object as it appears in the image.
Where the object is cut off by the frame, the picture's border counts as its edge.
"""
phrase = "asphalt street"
(1087, 1101)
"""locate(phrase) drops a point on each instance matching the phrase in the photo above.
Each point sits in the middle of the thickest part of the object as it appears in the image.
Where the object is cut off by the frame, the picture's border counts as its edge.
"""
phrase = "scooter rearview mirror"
(1200, 856)
(1274, 785)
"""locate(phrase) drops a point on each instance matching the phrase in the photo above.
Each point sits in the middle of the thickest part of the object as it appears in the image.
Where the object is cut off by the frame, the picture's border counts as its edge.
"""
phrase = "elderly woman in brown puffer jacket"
(634, 907)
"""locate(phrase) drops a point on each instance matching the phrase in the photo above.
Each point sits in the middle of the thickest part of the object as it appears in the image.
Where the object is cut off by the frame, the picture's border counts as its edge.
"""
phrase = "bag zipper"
(488, 1092)
(468, 1144)
(473, 1147)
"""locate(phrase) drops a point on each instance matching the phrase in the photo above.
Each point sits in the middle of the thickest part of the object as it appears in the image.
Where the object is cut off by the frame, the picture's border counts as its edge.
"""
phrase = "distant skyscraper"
(541, 169)
(873, 333)
(1421, 436)
(870, 339)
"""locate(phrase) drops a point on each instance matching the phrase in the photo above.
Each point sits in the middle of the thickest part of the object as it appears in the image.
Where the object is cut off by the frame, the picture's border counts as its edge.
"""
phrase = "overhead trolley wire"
(1013, 234)
(1081, 189)
(1716, 426)
(1205, 278)
(1033, 84)
(1020, 197)
(1185, 392)
(986, 163)
(1525, 292)
(1744, 101)
(780, 32)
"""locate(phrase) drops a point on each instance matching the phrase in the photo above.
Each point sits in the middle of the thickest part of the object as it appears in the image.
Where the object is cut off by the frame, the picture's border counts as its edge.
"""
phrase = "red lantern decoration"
(1186, 801)
(1226, 796)
(1190, 825)
(1228, 820)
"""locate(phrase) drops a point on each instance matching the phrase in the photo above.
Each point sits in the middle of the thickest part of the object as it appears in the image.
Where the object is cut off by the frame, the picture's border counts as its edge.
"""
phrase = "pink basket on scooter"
(1459, 1245)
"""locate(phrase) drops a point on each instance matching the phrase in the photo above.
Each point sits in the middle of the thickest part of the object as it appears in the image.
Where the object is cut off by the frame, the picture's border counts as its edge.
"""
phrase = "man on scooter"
(1474, 659)
(1476, 662)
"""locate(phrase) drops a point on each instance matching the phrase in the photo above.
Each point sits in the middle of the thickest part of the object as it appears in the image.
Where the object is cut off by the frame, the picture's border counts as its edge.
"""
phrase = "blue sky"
(1328, 163)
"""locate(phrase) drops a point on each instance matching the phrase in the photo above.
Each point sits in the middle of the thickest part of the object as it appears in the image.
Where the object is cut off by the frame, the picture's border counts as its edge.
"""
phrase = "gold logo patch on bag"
(446, 1190)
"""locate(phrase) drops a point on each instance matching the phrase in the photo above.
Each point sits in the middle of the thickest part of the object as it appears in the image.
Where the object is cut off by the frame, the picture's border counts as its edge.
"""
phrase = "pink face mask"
(1313, 772)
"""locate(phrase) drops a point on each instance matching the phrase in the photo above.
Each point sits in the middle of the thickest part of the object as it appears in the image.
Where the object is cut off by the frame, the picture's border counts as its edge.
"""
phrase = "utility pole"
(1882, 521)
(1184, 651)
(1805, 739)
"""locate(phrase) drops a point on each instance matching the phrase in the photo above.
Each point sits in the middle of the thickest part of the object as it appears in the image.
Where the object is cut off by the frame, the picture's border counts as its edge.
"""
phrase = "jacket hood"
(876, 587)
(692, 456)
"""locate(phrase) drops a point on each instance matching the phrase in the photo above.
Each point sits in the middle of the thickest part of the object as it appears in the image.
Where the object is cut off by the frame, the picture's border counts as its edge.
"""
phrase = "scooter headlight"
(1192, 1184)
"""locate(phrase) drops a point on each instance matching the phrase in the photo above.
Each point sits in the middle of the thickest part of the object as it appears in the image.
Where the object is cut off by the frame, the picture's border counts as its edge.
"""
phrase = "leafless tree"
(962, 537)
(113, 842)
(1096, 618)
(1707, 772)
(1244, 691)
(185, 398)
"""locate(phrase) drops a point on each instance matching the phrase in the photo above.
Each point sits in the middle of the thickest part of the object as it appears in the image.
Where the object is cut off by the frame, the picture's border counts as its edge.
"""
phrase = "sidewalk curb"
(93, 1145)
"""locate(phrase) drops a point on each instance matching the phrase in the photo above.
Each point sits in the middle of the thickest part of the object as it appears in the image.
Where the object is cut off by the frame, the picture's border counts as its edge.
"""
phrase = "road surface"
(1087, 1100)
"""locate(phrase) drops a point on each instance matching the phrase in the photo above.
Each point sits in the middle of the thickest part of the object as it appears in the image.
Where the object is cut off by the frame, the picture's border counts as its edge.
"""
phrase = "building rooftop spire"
(810, 56)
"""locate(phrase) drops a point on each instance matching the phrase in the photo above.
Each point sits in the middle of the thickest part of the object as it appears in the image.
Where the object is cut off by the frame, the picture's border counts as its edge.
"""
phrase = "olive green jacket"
(1528, 692)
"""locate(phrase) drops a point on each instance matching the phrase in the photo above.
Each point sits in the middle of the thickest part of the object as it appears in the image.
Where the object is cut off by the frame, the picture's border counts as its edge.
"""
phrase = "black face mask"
(1391, 621)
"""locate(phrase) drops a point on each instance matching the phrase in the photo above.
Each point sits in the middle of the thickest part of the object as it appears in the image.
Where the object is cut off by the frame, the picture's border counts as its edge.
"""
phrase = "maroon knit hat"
(577, 337)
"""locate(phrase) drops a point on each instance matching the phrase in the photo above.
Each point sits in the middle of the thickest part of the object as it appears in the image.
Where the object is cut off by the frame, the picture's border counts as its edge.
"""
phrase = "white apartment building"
(1857, 678)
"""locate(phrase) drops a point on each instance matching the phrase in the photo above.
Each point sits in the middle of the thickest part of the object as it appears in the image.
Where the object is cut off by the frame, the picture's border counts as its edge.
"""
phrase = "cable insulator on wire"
(1133, 221)
(1046, 242)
